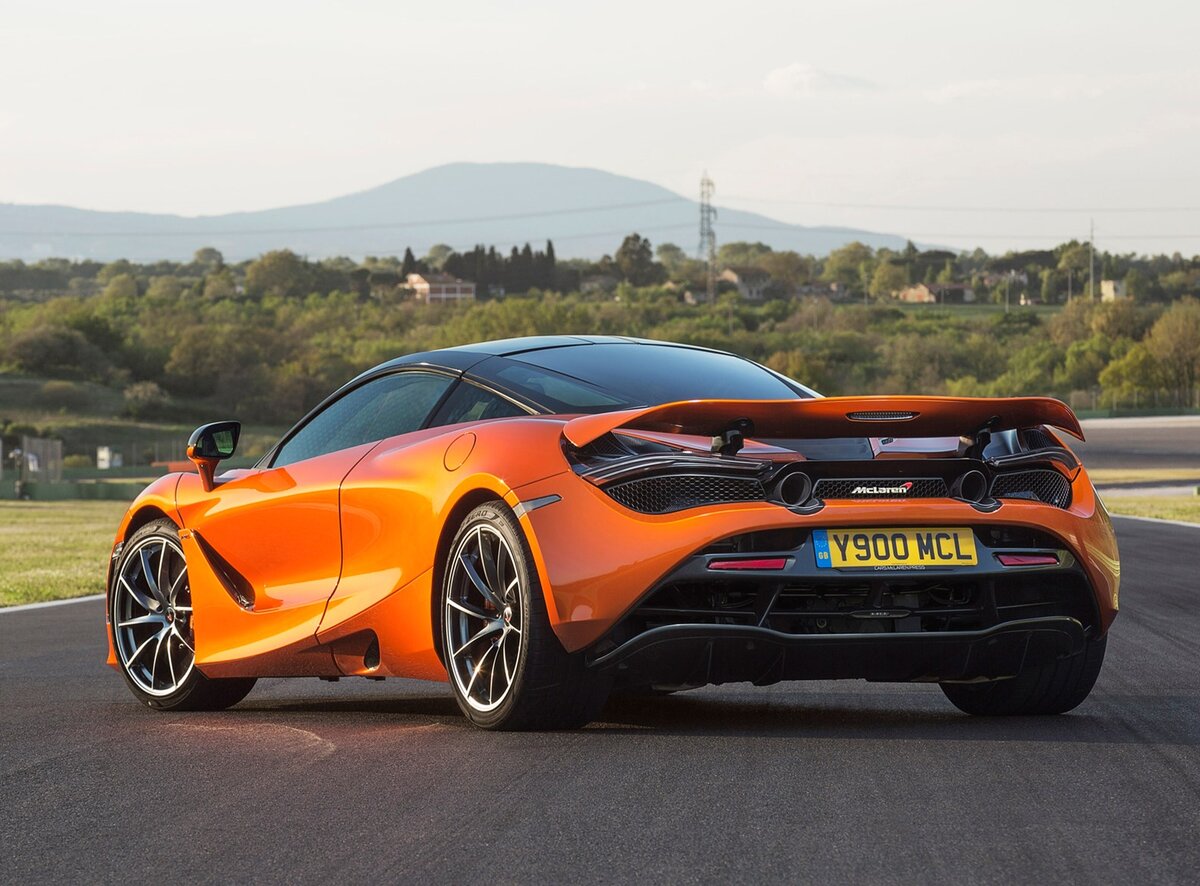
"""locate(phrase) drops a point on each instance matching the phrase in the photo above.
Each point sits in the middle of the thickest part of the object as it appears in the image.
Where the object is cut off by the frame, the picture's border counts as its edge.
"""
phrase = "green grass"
(55, 550)
(1164, 507)
(1165, 476)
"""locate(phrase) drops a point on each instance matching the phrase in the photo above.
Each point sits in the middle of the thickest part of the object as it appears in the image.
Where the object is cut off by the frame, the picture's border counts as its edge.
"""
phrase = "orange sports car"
(544, 520)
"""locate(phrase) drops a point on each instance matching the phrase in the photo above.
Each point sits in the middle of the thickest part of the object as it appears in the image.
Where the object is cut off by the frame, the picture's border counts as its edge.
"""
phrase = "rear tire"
(506, 666)
(150, 614)
(1053, 688)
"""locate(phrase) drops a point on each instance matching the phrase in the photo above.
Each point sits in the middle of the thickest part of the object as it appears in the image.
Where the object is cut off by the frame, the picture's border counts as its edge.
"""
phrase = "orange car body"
(299, 570)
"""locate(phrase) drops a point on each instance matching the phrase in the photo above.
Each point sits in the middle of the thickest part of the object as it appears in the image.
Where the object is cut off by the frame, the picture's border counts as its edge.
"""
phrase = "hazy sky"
(896, 108)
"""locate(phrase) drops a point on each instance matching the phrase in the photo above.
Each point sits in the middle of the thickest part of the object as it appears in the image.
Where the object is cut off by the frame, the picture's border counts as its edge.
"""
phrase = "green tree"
(220, 285)
(635, 261)
(844, 265)
(1134, 375)
(208, 259)
(1049, 287)
(671, 257)
(787, 267)
(57, 352)
(888, 279)
(1174, 340)
(437, 255)
(280, 273)
(166, 288)
(121, 286)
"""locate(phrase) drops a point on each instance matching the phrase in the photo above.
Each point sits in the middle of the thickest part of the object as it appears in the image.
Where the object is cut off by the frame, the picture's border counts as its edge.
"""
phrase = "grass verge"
(1164, 507)
(54, 550)
(1101, 476)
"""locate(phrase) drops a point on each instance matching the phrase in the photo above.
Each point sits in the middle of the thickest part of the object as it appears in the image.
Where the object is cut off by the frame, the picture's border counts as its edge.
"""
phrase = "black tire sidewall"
(178, 699)
(533, 609)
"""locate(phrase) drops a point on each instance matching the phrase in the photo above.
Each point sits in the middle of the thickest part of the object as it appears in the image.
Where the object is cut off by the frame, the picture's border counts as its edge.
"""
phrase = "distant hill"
(585, 212)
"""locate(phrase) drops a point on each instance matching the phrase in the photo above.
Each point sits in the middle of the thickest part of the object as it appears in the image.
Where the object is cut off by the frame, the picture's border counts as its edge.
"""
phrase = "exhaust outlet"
(794, 488)
(971, 486)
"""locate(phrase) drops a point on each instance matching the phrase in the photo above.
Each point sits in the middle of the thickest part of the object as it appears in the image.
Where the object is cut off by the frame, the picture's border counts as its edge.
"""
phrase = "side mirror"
(209, 445)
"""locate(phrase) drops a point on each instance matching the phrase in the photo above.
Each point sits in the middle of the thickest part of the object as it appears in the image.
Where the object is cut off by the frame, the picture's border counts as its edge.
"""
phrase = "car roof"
(463, 357)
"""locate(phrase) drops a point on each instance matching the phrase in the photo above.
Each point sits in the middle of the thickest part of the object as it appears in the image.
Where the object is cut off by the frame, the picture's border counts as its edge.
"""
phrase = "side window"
(470, 403)
(385, 407)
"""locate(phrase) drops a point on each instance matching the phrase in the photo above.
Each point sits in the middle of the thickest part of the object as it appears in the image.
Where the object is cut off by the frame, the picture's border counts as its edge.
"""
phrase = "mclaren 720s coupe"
(542, 521)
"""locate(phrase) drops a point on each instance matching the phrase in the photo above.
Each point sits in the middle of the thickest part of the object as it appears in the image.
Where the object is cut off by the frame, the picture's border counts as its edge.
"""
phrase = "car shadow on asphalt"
(1115, 719)
(1137, 719)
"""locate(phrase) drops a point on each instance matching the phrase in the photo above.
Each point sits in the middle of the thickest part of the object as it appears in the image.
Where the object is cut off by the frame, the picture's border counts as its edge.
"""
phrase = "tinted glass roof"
(618, 373)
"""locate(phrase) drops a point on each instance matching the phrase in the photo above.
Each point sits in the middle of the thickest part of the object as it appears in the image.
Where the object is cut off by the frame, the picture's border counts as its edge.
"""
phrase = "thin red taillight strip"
(765, 564)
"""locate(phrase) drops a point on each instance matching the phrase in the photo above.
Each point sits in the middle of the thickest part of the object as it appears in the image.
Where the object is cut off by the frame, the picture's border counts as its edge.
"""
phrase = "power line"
(912, 207)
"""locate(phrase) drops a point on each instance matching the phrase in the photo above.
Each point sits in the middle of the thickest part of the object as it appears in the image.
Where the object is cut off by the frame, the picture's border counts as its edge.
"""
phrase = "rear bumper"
(597, 560)
(694, 655)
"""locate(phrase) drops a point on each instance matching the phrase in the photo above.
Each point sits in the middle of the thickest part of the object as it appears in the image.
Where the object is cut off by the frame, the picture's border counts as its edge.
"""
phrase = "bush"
(77, 461)
(64, 395)
(144, 399)
(58, 352)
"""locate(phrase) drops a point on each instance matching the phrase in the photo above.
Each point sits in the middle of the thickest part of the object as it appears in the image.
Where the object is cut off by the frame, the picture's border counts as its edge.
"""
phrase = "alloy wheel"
(152, 616)
(483, 618)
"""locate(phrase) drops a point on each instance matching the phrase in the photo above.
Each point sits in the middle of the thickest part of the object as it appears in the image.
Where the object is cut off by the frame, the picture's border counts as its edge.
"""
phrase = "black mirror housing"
(217, 440)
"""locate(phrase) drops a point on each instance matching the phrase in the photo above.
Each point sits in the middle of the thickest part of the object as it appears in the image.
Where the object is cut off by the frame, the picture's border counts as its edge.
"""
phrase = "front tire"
(506, 666)
(150, 611)
(1052, 688)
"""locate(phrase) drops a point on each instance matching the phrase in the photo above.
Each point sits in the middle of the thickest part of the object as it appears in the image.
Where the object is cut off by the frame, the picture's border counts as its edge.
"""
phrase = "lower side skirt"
(695, 655)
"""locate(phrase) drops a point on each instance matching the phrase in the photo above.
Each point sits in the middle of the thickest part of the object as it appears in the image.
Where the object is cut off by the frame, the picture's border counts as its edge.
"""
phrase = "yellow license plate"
(899, 548)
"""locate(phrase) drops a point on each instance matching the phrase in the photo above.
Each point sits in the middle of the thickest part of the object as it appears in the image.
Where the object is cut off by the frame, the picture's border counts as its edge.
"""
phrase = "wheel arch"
(466, 503)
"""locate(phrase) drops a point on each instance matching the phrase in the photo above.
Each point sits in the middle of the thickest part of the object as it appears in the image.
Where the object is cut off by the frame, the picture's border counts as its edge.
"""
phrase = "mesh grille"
(1049, 487)
(1035, 438)
(922, 487)
(604, 447)
(662, 495)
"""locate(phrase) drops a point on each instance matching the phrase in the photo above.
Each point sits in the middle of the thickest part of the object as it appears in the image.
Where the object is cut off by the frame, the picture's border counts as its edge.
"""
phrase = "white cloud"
(800, 80)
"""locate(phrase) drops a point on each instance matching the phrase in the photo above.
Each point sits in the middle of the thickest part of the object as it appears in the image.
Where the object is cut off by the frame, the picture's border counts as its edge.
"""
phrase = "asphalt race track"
(381, 782)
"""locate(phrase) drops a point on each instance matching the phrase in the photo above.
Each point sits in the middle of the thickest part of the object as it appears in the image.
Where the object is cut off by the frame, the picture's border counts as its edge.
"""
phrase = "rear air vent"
(1036, 438)
(1049, 487)
(665, 494)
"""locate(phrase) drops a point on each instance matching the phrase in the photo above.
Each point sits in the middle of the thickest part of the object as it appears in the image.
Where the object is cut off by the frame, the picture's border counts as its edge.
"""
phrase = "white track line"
(24, 607)
(1156, 520)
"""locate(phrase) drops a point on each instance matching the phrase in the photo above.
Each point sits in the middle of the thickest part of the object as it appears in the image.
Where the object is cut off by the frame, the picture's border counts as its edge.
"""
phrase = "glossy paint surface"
(331, 566)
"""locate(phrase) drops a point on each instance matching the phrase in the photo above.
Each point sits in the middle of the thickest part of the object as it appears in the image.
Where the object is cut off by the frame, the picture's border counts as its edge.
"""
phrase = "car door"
(272, 535)
(390, 502)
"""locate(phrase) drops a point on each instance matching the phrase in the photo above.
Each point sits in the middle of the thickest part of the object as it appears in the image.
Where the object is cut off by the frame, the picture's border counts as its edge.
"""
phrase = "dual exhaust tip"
(795, 487)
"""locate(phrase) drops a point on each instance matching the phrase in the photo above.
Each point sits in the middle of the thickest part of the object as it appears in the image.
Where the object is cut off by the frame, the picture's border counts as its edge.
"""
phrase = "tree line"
(265, 340)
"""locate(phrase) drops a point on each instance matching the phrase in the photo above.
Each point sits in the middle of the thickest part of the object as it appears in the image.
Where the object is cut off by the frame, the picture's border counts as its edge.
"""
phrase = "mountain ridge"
(584, 211)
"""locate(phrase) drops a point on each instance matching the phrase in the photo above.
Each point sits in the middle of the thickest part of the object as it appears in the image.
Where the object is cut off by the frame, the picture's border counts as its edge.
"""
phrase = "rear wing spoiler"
(835, 417)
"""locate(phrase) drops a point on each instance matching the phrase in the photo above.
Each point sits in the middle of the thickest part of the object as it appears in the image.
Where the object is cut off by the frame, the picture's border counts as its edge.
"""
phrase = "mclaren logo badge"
(899, 489)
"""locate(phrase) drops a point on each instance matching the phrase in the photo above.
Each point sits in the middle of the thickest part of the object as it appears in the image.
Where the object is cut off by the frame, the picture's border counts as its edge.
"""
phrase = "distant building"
(440, 288)
(830, 291)
(992, 278)
(751, 283)
(937, 294)
(1111, 290)
(598, 283)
